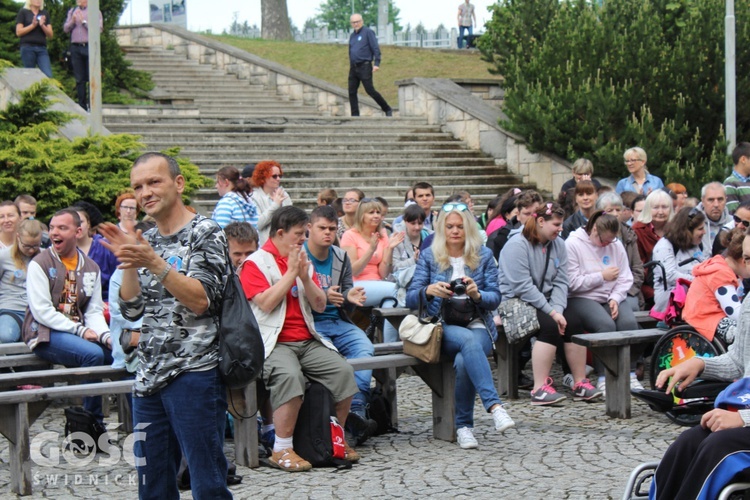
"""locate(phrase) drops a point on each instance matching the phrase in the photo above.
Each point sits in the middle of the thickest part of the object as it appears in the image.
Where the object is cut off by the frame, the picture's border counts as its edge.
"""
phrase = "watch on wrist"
(162, 275)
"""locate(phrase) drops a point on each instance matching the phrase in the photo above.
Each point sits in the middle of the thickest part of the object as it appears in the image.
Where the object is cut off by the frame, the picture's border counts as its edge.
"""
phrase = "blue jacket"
(363, 47)
(485, 276)
(651, 183)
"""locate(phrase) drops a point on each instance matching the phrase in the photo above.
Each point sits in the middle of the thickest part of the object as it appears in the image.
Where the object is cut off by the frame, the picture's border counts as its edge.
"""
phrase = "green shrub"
(590, 80)
(58, 172)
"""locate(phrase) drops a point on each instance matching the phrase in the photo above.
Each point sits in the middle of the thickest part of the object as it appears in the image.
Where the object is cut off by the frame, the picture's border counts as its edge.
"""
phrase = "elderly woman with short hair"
(639, 181)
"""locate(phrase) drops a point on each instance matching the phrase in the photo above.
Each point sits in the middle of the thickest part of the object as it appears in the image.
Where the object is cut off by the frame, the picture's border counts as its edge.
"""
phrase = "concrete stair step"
(232, 154)
(282, 124)
(352, 161)
(357, 169)
(207, 134)
(258, 144)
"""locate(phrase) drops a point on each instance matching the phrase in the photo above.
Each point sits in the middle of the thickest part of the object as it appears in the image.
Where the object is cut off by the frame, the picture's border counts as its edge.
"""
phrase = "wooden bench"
(613, 349)
(19, 409)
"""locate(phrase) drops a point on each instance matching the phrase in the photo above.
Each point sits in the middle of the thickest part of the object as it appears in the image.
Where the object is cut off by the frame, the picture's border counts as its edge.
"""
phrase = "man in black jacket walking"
(364, 60)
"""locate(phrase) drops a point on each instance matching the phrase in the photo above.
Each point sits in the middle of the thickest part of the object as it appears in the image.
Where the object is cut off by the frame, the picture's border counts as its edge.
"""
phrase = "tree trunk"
(275, 20)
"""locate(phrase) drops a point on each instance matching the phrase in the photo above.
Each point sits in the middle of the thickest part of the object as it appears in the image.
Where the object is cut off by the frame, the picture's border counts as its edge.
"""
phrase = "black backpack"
(313, 438)
(79, 420)
(380, 412)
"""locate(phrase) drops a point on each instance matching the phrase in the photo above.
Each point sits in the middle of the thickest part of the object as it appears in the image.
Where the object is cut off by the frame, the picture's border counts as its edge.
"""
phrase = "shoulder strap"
(546, 265)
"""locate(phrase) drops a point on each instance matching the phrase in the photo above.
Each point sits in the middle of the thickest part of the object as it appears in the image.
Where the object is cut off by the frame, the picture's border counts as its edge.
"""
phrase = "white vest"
(270, 323)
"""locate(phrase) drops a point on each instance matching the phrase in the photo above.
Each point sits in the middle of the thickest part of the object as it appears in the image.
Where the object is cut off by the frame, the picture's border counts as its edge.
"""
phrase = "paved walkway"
(569, 452)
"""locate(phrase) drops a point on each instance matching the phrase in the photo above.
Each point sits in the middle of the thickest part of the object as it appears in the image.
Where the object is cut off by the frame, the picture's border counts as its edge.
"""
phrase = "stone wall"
(15, 80)
(469, 118)
(489, 90)
(297, 86)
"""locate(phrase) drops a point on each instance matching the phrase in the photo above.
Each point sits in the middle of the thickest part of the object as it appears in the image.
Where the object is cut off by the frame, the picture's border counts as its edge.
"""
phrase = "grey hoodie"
(521, 266)
(713, 228)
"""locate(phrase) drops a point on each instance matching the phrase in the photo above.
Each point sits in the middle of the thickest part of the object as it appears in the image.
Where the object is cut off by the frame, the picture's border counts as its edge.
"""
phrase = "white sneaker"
(568, 381)
(502, 419)
(635, 384)
(466, 439)
(601, 385)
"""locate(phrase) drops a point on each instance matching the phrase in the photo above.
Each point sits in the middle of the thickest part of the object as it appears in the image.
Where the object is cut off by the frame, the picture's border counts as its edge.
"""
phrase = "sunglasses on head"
(739, 221)
(461, 207)
(693, 212)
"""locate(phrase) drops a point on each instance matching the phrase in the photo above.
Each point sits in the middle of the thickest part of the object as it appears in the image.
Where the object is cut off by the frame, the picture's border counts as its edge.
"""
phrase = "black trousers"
(363, 73)
(79, 58)
(700, 463)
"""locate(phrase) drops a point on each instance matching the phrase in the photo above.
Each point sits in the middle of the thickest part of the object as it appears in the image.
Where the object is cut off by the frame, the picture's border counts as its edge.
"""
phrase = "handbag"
(422, 336)
(459, 311)
(519, 317)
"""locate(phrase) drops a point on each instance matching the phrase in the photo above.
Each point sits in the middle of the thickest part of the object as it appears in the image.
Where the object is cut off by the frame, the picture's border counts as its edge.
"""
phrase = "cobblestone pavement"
(569, 452)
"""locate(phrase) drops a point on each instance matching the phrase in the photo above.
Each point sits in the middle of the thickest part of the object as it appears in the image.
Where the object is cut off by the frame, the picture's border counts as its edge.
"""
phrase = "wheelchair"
(640, 479)
(686, 406)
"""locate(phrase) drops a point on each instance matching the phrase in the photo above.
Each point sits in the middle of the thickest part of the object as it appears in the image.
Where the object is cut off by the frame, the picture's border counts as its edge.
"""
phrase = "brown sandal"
(289, 461)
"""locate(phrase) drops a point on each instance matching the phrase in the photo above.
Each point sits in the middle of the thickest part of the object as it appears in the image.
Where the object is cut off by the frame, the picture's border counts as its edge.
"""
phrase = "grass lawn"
(330, 62)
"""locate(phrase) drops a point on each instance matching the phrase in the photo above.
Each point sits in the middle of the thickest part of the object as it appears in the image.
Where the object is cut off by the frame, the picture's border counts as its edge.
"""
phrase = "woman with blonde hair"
(639, 181)
(370, 250)
(13, 263)
(650, 227)
(33, 28)
(456, 277)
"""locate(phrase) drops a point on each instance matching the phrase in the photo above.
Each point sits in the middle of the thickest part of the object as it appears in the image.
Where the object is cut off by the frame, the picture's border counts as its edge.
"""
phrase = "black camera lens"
(458, 286)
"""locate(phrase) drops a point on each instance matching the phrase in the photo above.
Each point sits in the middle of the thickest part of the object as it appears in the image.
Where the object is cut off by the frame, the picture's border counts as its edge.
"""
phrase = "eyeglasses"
(633, 160)
(461, 207)
(128, 209)
(276, 176)
(350, 200)
(28, 247)
(738, 221)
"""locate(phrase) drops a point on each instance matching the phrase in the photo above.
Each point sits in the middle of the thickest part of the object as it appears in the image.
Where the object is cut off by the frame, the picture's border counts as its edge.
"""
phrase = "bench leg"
(616, 360)
(387, 379)
(506, 357)
(246, 430)
(442, 380)
(20, 462)
(124, 413)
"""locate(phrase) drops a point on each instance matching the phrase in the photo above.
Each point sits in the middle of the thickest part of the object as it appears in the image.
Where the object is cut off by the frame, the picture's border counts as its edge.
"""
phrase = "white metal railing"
(440, 38)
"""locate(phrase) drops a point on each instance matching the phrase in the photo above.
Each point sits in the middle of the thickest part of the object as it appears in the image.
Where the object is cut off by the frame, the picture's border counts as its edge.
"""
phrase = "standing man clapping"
(77, 25)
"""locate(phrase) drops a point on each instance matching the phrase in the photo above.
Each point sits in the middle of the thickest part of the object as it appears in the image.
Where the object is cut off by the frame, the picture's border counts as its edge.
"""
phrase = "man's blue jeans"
(36, 55)
(461, 30)
(351, 342)
(186, 417)
(10, 325)
(71, 350)
(470, 348)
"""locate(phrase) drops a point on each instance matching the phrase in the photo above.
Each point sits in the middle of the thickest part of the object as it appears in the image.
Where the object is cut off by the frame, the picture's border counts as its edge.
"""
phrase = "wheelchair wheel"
(680, 344)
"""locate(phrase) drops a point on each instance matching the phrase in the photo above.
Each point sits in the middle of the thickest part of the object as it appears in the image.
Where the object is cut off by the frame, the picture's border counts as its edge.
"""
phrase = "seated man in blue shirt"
(334, 272)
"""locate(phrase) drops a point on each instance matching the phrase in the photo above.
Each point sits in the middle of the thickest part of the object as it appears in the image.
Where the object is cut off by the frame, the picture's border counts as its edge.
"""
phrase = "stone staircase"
(217, 120)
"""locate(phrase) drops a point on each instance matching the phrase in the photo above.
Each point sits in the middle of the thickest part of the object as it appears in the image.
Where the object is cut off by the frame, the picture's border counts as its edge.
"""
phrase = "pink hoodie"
(586, 262)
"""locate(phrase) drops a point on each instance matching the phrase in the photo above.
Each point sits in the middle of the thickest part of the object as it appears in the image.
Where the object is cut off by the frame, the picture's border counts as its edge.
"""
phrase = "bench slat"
(393, 312)
(385, 361)
(389, 348)
(613, 339)
(14, 348)
(22, 360)
(66, 391)
(41, 377)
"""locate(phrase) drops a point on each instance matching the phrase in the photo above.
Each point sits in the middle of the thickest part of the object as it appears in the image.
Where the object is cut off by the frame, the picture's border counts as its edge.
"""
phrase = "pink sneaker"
(584, 391)
(546, 395)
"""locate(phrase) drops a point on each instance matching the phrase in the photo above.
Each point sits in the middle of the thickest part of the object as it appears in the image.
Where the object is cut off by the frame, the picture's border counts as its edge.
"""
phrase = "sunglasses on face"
(739, 221)
(276, 176)
(461, 207)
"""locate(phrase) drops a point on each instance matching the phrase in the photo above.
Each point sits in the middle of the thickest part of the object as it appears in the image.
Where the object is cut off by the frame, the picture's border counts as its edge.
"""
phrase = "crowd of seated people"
(581, 267)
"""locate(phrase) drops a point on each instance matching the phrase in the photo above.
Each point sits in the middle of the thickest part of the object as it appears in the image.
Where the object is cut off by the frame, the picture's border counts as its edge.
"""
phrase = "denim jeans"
(461, 30)
(376, 291)
(187, 418)
(10, 325)
(470, 348)
(36, 55)
(71, 350)
(351, 343)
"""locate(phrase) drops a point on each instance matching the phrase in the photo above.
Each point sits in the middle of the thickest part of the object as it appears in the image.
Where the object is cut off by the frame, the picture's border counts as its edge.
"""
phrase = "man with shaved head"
(364, 59)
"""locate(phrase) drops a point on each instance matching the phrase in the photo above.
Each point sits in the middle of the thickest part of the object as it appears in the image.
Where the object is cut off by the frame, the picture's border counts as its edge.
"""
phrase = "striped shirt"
(737, 190)
(233, 207)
